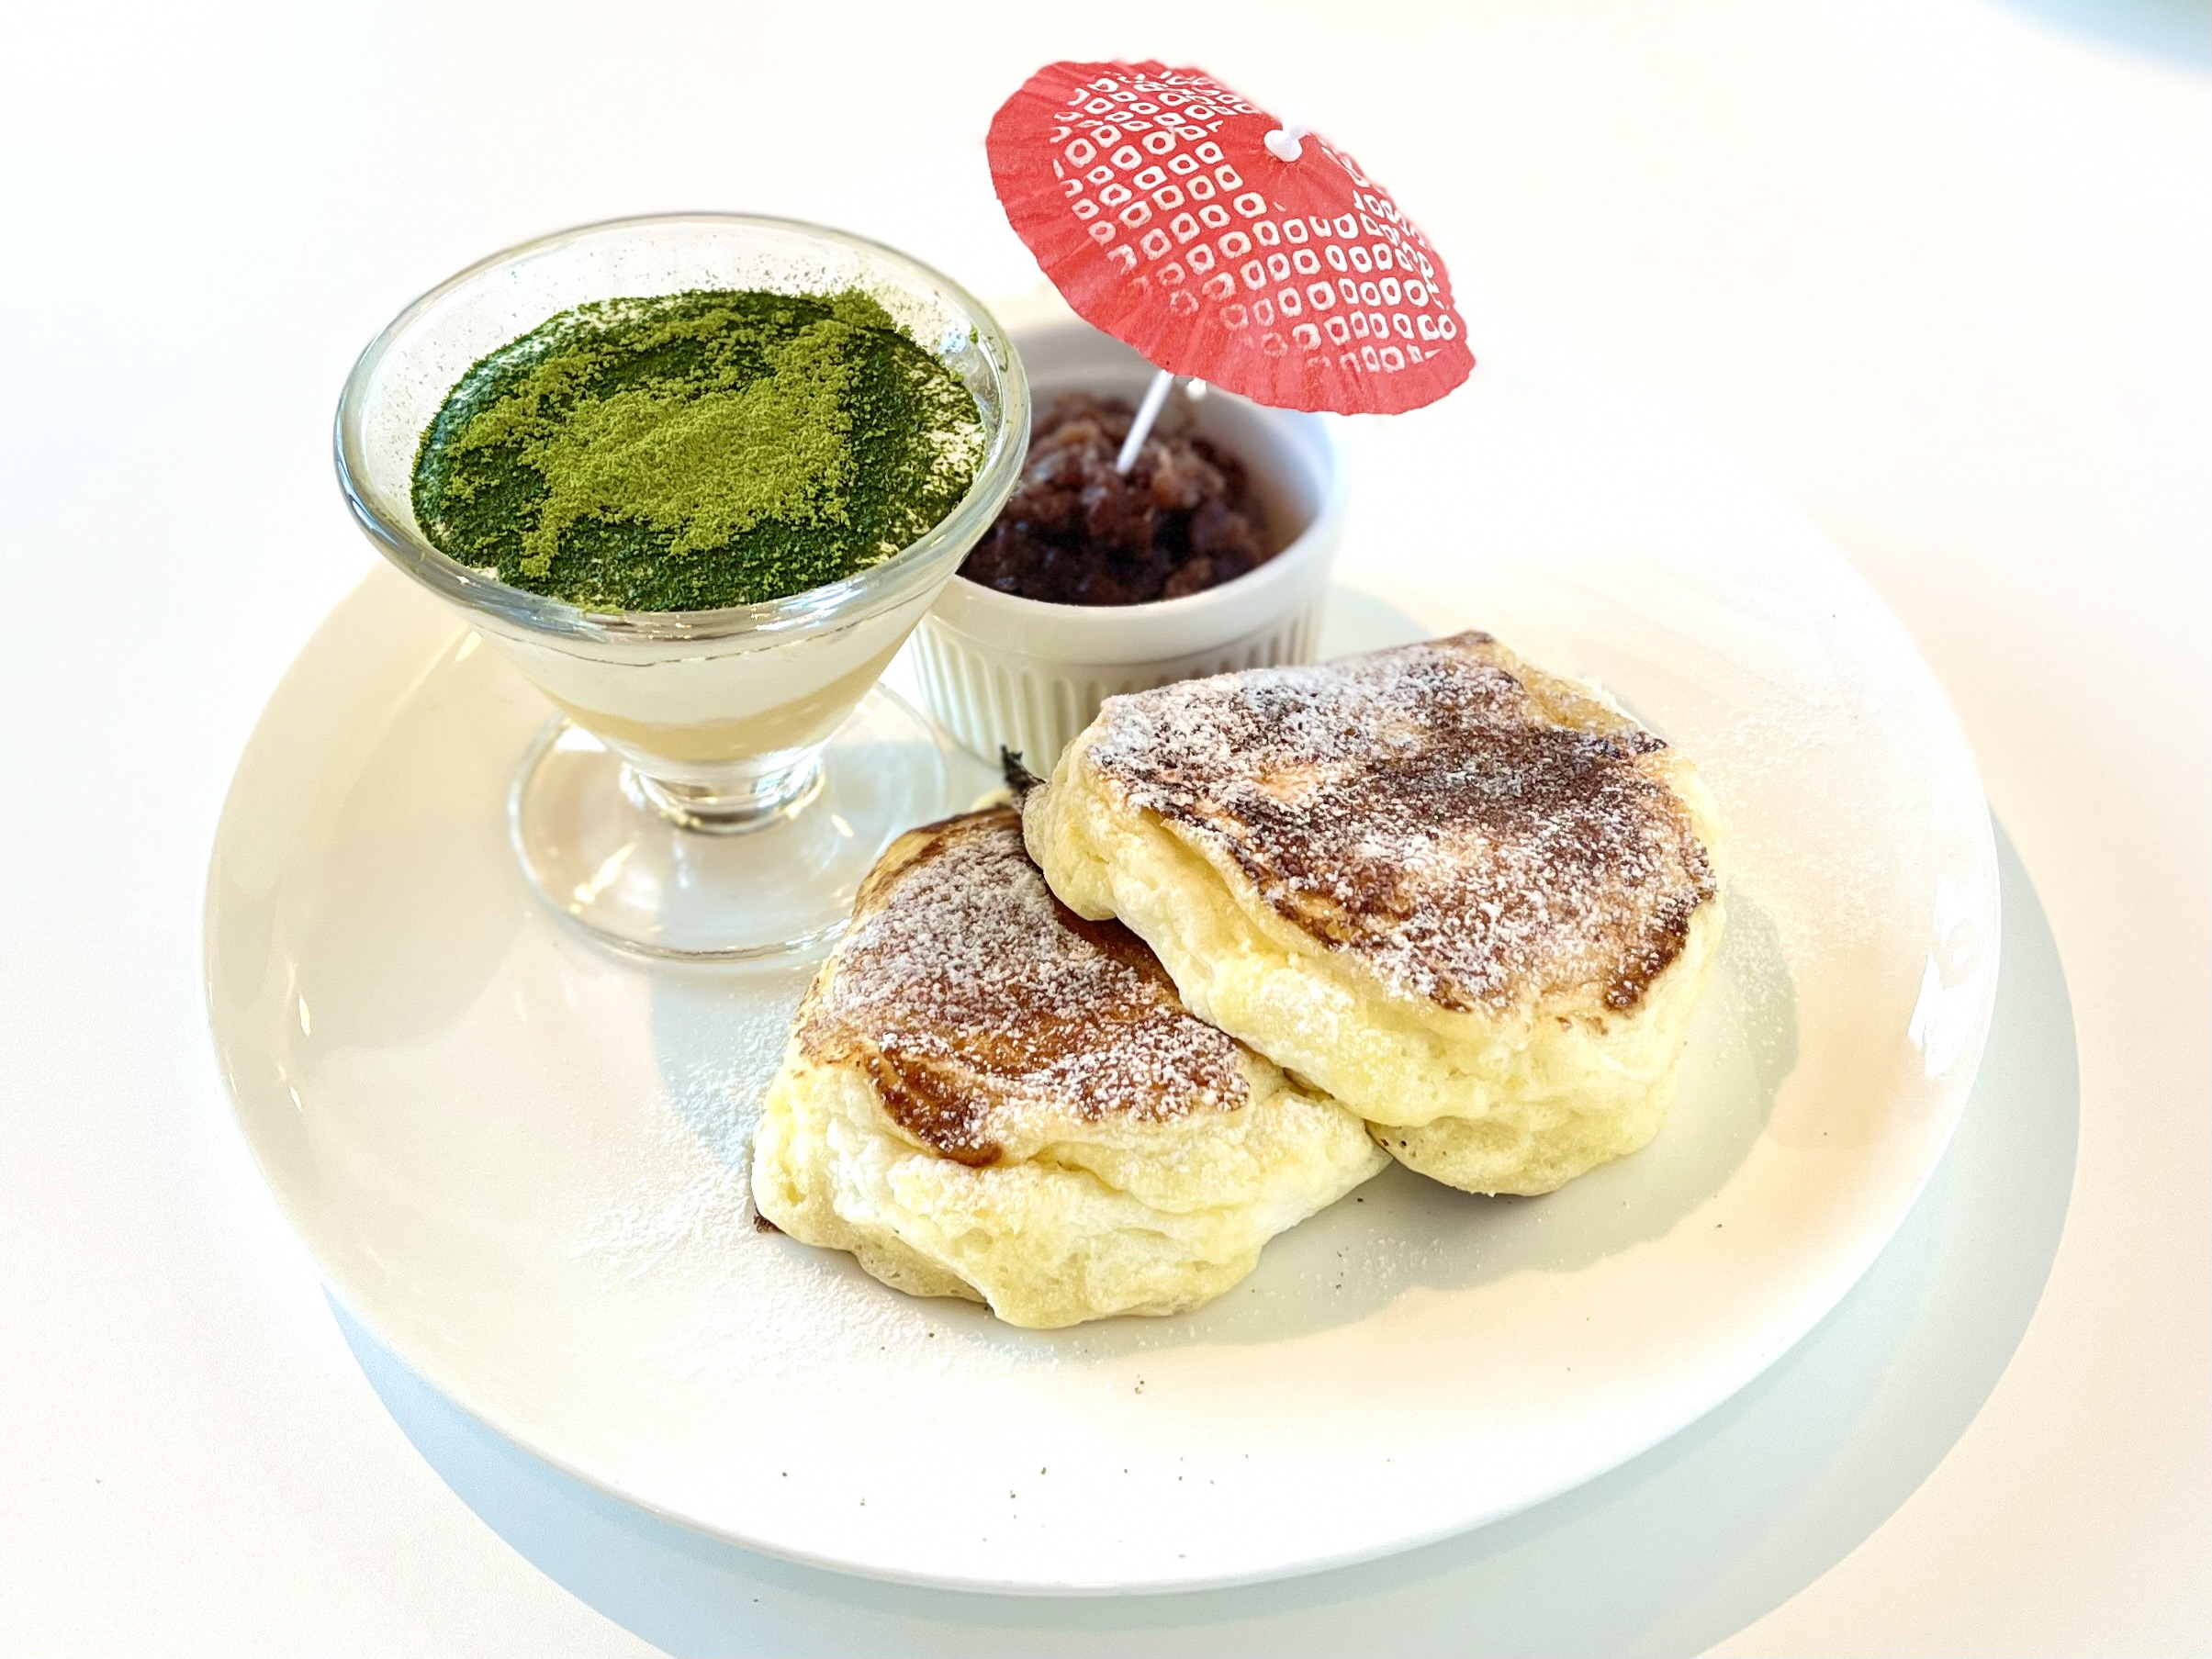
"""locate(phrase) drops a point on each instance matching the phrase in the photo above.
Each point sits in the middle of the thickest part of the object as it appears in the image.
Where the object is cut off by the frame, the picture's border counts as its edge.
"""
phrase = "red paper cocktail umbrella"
(1224, 244)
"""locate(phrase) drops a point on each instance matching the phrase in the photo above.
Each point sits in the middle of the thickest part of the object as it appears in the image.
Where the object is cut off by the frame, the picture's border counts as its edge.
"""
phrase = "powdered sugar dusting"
(1433, 811)
(686, 1194)
(980, 1005)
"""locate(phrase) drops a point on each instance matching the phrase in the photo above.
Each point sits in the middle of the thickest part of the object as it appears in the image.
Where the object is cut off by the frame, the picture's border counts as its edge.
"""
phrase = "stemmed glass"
(717, 782)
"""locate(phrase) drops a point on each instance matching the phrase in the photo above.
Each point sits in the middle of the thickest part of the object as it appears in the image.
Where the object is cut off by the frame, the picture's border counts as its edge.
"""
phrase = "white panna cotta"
(681, 705)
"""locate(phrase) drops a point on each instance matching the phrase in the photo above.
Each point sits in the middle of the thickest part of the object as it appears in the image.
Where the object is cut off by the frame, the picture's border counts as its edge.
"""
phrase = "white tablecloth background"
(1939, 269)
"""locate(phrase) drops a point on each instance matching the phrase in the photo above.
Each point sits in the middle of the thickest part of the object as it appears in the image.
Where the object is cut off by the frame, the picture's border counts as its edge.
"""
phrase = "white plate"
(520, 1161)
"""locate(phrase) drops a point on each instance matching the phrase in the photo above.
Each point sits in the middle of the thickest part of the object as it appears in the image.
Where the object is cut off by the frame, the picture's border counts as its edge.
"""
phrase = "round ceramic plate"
(522, 1161)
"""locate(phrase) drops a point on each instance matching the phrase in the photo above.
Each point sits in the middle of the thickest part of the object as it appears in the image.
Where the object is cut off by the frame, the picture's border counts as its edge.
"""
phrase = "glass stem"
(748, 801)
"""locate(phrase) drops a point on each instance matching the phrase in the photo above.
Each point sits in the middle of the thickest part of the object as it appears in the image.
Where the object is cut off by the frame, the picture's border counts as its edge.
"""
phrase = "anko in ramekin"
(998, 670)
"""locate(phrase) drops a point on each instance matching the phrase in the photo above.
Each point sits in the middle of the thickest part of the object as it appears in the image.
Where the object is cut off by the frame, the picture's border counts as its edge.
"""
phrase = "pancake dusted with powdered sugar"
(987, 1095)
(1472, 901)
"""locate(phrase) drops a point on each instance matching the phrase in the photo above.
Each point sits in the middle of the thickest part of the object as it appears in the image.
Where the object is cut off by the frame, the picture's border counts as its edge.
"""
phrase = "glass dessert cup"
(717, 784)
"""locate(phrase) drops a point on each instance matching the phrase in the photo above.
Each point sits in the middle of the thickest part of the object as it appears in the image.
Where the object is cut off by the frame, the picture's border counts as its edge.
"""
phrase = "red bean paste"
(1076, 532)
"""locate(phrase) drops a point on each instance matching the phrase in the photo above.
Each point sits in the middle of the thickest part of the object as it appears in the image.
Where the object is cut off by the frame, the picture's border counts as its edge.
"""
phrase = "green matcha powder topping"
(696, 450)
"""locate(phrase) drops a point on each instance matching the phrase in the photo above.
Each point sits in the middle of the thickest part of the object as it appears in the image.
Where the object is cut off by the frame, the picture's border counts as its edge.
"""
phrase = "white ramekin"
(997, 670)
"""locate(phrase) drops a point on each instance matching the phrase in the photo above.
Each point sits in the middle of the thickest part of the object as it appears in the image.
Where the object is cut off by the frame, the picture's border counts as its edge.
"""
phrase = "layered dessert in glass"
(722, 774)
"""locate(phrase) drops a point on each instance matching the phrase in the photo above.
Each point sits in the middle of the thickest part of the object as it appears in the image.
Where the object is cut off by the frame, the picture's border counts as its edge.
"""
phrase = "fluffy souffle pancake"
(1474, 902)
(986, 1095)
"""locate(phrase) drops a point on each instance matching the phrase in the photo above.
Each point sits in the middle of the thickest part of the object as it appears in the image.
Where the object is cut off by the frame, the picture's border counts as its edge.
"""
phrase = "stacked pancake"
(986, 1095)
(1433, 889)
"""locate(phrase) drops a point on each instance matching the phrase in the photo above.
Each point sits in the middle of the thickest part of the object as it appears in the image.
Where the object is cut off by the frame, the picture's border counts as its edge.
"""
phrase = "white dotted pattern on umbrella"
(1156, 202)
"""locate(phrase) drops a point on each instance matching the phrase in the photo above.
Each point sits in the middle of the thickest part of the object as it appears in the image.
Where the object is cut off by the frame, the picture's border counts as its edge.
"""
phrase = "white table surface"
(1941, 270)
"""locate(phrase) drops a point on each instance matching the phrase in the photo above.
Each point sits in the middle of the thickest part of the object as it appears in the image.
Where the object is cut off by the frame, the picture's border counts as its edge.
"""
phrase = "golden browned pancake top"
(1476, 832)
(972, 996)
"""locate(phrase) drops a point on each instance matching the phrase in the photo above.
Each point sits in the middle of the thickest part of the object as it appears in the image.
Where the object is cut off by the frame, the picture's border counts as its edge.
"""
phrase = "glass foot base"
(603, 854)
